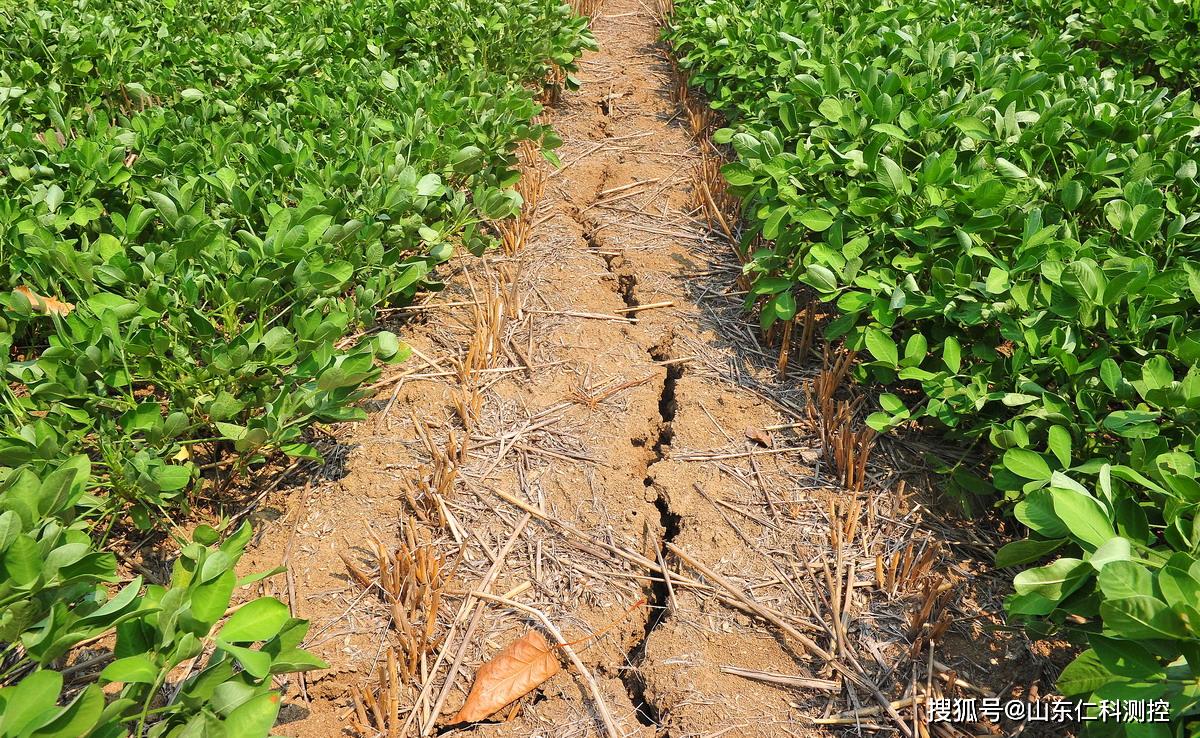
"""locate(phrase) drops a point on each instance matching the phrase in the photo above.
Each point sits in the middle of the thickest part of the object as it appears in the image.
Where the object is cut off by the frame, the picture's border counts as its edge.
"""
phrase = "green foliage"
(1008, 229)
(1153, 37)
(49, 564)
(225, 192)
(55, 596)
(1013, 240)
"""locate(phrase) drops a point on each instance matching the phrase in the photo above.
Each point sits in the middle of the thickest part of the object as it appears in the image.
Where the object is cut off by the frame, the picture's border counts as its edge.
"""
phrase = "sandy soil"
(596, 403)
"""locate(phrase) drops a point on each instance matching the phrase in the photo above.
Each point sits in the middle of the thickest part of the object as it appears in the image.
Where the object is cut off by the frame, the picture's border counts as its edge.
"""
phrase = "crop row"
(1006, 223)
(202, 207)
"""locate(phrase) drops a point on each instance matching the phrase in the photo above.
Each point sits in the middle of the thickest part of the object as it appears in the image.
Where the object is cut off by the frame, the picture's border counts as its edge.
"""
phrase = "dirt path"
(604, 377)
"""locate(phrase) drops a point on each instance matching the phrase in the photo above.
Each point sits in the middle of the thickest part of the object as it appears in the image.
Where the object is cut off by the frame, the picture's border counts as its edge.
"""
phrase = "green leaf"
(258, 620)
(831, 108)
(882, 347)
(165, 207)
(205, 535)
(816, 220)
(467, 159)
(10, 528)
(1037, 512)
(1027, 551)
(1026, 464)
(1176, 582)
(210, 600)
(256, 663)
(1017, 399)
(54, 198)
(389, 348)
(429, 185)
(1083, 515)
(774, 221)
(1059, 443)
(29, 700)
(880, 422)
(117, 604)
(821, 278)
(997, 281)
(1055, 580)
(137, 669)
(296, 659)
(891, 130)
(1157, 373)
(1110, 374)
(1071, 195)
(1132, 423)
(1084, 675)
(228, 696)
(173, 477)
(893, 177)
(1141, 617)
(974, 128)
(738, 175)
(224, 406)
(254, 718)
(952, 354)
(892, 404)
(1126, 658)
(915, 349)
(1119, 215)
(1147, 224)
(785, 305)
(1113, 550)
(23, 560)
(1084, 281)
(301, 451)
(75, 719)
(1008, 169)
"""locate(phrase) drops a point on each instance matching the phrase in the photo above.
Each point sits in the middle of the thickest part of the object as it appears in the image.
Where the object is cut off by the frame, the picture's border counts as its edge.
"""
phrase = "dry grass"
(588, 8)
(515, 231)
(411, 579)
(844, 442)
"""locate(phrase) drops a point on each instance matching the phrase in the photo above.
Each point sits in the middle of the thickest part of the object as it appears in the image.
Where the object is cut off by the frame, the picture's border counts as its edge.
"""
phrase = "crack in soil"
(617, 265)
(657, 600)
(647, 712)
(620, 268)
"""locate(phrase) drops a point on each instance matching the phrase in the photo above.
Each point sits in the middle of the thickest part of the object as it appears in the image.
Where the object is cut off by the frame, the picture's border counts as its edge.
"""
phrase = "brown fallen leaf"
(760, 436)
(513, 673)
(47, 305)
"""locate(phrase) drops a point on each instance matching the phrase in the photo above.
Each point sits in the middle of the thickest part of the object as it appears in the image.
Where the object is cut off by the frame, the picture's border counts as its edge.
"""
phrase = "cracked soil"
(617, 404)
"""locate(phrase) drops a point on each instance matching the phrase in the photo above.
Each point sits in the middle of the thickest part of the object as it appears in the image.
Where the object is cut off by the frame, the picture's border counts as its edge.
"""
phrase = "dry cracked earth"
(584, 412)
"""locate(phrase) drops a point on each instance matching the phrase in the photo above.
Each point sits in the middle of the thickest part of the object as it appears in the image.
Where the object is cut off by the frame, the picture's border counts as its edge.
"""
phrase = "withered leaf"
(47, 305)
(760, 436)
(514, 672)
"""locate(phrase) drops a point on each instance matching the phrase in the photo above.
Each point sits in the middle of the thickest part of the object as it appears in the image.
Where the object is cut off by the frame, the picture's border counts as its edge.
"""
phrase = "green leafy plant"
(1007, 226)
(55, 597)
(1156, 38)
(203, 206)
(223, 196)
